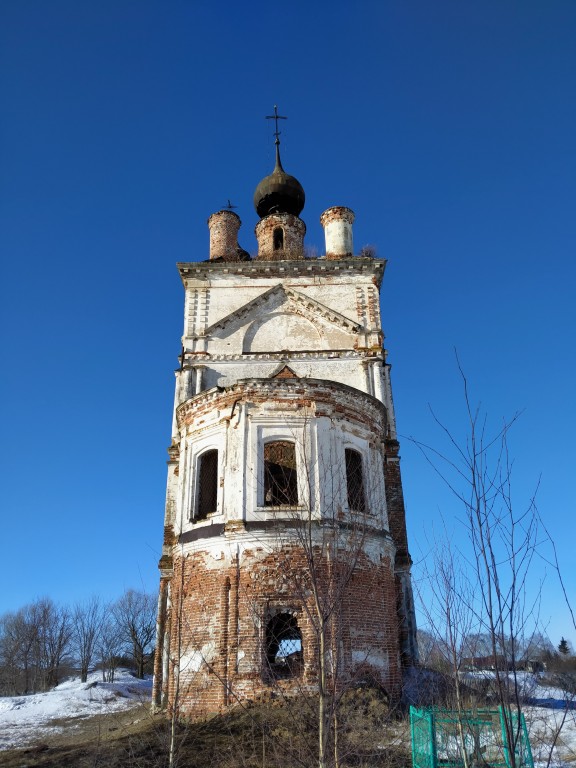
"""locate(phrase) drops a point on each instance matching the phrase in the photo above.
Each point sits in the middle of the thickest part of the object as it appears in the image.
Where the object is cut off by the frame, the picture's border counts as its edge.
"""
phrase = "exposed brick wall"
(325, 397)
(403, 561)
(293, 230)
(395, 503)
(225, 610)
(224, 226)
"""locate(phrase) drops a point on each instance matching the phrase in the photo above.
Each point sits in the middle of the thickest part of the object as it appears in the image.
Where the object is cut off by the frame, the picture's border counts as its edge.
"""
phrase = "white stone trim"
(212, 438)
(307, 307)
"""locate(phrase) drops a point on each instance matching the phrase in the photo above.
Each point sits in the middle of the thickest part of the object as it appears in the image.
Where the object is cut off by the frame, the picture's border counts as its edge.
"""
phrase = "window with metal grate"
(355, 481)
(280, 477)
(283, 646)
(207, 493)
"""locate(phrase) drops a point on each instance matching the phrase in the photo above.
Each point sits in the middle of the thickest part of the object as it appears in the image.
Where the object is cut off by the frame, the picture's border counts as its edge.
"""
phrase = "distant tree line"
(536, 654)
(43, 642)
(476, 650)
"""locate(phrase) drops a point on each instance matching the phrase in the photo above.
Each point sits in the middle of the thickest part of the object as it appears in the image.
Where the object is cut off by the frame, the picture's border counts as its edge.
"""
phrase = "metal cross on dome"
(276, 117)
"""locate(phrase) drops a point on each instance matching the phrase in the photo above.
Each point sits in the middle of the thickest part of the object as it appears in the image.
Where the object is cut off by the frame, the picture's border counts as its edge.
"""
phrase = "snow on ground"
(550, 714)
(552, 736)
(24, 719)
(551, 720)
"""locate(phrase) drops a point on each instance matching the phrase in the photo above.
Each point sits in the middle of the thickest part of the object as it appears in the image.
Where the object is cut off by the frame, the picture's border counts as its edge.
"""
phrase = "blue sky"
(448, 127)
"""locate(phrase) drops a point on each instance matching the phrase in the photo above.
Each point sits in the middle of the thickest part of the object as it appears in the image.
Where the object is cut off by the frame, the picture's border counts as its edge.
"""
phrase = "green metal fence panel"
(518, 744)
(443, 738)
(422, 738)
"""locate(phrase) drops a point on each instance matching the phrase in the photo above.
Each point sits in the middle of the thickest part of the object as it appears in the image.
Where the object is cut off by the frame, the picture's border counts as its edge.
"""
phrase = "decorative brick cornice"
(173, 453)
(166, 566)
(350, 402)
(331, 354)
(353, 265)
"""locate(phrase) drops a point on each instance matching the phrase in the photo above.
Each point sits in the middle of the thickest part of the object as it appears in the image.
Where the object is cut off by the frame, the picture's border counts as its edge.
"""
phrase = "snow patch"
(23, 719)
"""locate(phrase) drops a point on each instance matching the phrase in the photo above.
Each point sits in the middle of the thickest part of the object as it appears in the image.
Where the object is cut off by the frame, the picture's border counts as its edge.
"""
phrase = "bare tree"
(108, 645)
(34, 645)
(18, 641)
(331, 536)
(325, 556)
(55, 635)
(135, 616)
(87, 619)
(502, 540)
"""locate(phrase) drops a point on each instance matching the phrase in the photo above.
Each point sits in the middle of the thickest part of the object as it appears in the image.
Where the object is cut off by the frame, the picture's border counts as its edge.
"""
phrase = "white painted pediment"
(283, 300)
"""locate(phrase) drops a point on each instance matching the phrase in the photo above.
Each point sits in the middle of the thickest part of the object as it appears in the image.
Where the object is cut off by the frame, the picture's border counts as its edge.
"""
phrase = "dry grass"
(278, 735)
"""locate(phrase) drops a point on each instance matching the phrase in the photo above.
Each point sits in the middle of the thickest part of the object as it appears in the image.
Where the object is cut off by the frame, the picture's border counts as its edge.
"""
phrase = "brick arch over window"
(206, 484)
(355, 481)
(280, 474)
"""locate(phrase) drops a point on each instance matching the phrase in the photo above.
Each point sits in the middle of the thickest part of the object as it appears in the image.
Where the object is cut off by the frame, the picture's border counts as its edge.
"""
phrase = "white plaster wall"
(194, 445)
(207, 302)
(256, 545)
(338, 235)
(320, 444)
(279, 328)
(352, 372)
(319, 325)
(378, 659)
(283, 331)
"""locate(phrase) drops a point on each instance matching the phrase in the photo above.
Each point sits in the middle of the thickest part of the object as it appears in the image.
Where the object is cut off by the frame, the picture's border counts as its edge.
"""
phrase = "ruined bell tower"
(284, 531)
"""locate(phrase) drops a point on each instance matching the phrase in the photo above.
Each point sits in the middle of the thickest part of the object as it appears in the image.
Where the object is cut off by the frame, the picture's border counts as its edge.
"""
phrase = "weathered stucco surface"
(281, 350)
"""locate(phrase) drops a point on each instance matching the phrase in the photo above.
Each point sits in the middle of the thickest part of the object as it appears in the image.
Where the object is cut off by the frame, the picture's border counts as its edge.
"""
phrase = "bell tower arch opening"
(278, 238)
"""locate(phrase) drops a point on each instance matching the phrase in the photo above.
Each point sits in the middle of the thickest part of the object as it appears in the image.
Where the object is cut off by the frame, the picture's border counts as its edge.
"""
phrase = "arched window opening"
(355, 481)
(207, 489)
(280, 478)
(278, 239)
(284, 656)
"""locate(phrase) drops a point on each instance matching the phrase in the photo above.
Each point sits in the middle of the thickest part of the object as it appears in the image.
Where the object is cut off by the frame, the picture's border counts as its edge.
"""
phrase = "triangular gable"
(307, 307)
(284, 372)
(246, 309)
(305, 302)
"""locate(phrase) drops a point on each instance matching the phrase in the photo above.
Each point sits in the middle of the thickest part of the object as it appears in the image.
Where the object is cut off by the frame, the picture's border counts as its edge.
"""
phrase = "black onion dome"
(279, 193)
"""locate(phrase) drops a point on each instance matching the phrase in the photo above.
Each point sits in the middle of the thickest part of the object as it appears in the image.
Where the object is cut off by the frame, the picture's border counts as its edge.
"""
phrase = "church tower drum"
(284, 533)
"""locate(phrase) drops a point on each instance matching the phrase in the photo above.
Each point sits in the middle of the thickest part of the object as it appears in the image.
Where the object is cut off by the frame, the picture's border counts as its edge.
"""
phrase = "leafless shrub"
(479, 604)
(368, 252)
